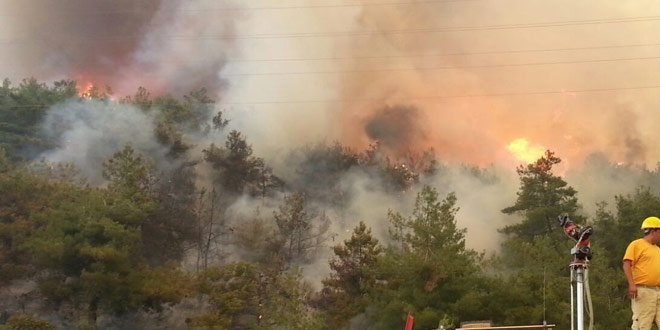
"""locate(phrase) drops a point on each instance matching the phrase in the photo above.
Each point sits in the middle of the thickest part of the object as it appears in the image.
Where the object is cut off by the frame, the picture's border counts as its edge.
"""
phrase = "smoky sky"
(573, 77)
(465, 78)
(562, 75)
(483, 75)
(80, 37)
(396, 128)
(120, 44)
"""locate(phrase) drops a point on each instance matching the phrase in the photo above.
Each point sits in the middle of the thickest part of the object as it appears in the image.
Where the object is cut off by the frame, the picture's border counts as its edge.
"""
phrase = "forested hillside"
(155, 212)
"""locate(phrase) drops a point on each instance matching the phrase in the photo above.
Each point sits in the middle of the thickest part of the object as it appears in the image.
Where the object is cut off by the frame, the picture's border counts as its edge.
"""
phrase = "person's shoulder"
(639, 241)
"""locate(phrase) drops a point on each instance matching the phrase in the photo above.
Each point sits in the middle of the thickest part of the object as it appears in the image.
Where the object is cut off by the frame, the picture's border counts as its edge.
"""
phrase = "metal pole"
(572, 297)
(582, 254)
(580, 297)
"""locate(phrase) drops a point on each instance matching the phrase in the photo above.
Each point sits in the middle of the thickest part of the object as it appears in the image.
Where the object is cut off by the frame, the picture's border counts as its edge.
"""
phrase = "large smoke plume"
(166, 46)
(464, 66)
(464, 78)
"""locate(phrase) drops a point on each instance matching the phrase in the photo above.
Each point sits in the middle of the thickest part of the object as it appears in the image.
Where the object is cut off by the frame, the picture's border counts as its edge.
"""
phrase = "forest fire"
(524, 151)
(248, 138)
(454, 104)
(85, 89)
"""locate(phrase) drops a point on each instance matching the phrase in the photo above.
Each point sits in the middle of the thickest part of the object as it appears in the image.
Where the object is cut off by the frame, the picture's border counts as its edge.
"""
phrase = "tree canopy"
(204, 234)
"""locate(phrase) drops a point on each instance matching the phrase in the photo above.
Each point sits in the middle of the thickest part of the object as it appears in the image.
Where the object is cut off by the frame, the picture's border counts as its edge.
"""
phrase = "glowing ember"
(84, 90)
(522, 150)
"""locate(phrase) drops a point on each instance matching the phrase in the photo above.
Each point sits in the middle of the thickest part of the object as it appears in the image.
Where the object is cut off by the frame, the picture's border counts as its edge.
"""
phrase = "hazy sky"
(479, 81)
(466, 77)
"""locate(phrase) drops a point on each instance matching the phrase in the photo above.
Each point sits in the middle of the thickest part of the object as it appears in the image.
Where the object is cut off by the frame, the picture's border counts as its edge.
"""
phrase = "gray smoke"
(89, 132)
(397, 128)
(165, 45)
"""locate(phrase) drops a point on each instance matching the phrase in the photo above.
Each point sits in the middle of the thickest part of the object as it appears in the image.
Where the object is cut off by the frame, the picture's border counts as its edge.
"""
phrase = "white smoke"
(89, 132)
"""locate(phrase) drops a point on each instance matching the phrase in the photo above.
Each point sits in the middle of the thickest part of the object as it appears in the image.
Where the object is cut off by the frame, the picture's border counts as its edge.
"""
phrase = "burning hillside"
(465, 80)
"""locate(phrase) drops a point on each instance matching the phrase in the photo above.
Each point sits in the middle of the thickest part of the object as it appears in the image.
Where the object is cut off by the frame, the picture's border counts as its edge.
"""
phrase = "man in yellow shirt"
(641, 265)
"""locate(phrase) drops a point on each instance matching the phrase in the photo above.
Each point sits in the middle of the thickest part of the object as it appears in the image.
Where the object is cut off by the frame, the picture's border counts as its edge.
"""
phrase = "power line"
(430, 30)
(374, 32)
(437, 68)
(429, 55)
(266, 8)
(448, 54)
(448, 97)
(478, 66)
(422, 98)
(487, 52)
(352, 5)
(450, 28)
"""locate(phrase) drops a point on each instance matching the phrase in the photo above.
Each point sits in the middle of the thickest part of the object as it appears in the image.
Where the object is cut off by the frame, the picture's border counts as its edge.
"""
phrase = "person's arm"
(627, 270)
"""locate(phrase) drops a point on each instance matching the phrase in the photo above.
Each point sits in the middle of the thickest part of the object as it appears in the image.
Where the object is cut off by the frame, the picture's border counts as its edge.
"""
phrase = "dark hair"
(649, 230)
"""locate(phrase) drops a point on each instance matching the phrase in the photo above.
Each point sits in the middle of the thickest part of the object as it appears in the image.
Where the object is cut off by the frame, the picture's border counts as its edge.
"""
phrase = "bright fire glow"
(84, 90)
(522, 150)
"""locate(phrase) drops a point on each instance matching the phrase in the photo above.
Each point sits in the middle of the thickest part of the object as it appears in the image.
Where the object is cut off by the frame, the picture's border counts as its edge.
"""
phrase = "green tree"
(190, 113)
(5, 164)
(428, 268)
(542, 197)
(170, 135)
(533, 282)
(616, 230)
(247, 296)
(22, 108)
(320, 170)
(255, 238)
(285, 301)
(171, 227)
(28, 322)
(613, 232)
(211, 228)
(238, 170)
(95, 261)
(536, 252)
(174, 117)
(396, 176)
(131, 187)
(301, 232)
(24, 195)
(130, 176)
(345, 291)
(89, 244)
(219, 122)
(142, 99)
(232, 292)
(82, 243)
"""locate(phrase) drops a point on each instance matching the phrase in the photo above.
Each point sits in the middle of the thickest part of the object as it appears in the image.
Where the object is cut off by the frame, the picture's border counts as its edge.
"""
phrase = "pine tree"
(536, 252)
(344, 293)
(427, 268)
(301, 231)
(542, 197)
(238, 171)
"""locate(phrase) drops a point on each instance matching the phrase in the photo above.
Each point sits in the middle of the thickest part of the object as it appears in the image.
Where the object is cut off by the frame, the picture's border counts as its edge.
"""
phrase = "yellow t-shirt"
(645, 259)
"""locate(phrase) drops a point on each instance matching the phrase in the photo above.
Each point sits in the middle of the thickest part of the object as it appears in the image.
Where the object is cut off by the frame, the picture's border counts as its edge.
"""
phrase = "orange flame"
(523, 150)
(85, 88)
